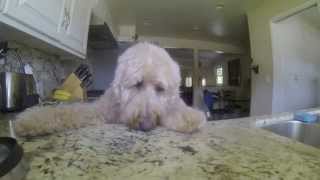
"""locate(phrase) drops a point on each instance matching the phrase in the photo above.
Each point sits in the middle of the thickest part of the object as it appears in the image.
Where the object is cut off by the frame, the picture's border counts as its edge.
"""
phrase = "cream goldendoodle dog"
(144, 94)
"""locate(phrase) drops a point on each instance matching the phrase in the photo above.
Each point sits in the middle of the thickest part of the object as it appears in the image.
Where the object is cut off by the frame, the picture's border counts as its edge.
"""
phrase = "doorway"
(225, 77)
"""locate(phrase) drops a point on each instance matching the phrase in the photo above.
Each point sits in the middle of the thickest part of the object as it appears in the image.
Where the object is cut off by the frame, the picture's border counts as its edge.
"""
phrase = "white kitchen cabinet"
(2, 4)
(41, 16)
(62, 24)
(75, 24)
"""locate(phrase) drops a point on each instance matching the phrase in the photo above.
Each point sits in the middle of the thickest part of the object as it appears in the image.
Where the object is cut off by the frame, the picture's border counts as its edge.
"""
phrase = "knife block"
(72, 84)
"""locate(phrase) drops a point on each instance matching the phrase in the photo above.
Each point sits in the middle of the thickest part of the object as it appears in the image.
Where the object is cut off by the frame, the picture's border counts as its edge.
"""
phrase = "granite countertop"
(233, 149)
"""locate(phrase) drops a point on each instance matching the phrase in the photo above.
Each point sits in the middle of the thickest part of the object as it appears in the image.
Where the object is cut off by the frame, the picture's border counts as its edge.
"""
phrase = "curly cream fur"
(143, 95)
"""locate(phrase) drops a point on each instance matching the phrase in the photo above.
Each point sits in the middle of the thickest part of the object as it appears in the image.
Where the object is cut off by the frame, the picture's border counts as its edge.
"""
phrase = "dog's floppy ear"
(124, 68)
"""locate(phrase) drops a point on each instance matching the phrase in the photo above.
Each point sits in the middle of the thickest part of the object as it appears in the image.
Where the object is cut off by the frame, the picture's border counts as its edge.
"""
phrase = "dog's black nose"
(146, 125)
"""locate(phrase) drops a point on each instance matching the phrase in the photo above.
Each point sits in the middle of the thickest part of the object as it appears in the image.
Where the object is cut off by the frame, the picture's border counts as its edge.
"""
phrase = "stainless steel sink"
(306, 133)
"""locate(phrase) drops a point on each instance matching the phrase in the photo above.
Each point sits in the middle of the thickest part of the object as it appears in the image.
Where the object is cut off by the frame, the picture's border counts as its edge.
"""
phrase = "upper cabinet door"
(43, 16)
(75, 24)
(2, 4)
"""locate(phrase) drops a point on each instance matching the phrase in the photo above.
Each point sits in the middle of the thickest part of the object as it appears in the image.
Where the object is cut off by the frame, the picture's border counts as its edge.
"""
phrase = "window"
(188, 82)
(219, 74)
(204, 82)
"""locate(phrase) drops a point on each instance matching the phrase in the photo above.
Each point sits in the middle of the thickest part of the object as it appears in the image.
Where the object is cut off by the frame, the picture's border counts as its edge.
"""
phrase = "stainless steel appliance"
(17, 91)
(31, 98)
(30, 85)
(12, 91)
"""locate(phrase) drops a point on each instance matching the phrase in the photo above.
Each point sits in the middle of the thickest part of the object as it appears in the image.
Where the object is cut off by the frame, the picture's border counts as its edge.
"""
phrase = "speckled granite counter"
(232, 149)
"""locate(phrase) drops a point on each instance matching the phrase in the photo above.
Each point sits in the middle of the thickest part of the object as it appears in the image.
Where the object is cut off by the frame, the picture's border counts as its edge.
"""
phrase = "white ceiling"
(190, 19)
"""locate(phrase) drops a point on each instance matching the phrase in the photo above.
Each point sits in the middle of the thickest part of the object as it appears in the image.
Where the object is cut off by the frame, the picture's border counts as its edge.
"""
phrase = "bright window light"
(219, 75)
(204, 82)
(188, 82)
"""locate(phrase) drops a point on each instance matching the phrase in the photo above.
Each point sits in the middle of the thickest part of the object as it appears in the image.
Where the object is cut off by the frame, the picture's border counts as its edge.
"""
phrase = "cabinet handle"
(2, 4)
(66, 19)
(63, 24)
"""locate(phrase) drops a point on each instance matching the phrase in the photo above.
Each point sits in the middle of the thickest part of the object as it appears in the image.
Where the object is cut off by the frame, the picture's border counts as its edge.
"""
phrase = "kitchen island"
(232, 149)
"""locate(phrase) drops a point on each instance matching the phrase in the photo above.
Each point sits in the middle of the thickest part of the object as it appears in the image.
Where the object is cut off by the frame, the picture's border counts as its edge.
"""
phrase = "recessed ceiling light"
(219, 52)
(147, 23)
(196, 28)
(219, 6)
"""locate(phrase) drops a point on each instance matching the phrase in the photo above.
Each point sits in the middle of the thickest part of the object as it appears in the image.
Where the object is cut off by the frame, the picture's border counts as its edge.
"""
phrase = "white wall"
(296, 64)
(261, 51)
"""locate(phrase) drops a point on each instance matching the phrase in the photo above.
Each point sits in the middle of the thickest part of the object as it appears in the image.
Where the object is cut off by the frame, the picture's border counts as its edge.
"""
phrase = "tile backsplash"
(48, 70)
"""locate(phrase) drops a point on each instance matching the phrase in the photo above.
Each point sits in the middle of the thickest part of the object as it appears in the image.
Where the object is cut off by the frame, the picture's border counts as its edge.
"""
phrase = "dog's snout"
(146, 125)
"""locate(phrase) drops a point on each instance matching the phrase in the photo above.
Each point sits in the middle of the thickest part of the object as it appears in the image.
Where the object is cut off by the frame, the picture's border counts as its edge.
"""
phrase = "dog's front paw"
(30, 123)
(192, 120)
(22, 127)
(25, 126)
(187, 120)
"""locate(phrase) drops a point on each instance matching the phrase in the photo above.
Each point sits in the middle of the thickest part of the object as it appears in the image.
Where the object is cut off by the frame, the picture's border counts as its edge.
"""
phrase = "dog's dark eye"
(139, 85)
(159, 88)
